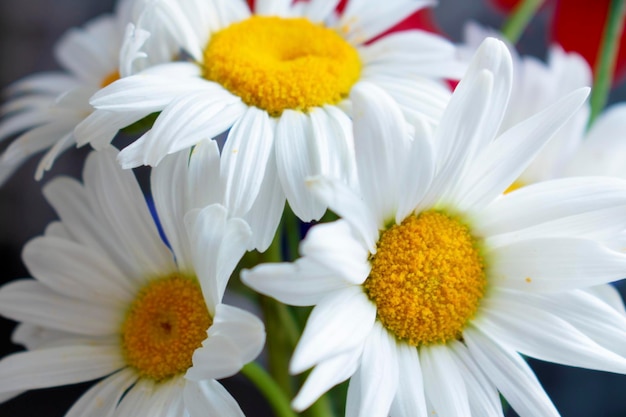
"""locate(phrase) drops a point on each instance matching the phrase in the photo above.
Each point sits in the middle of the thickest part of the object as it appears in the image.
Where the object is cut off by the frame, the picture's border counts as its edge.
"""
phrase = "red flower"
(578, 25)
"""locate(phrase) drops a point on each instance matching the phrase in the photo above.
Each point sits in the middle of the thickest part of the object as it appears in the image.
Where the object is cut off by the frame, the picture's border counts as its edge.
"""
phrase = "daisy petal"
(318, 11)
(209, 398)
(296, 159)
(505, 159)
(346, 203)
(326, 375)
(245, 329)
(57, 366)
(484, 399)
(537, 333)
(219, 357)
(379, 373)
(102, 399)
(340, 322)
(245, 157)
(383, 142)
(610, 295)
(364, 22)
(510, 374)
(267, 210)
(555, 264)
(549, 200)
(31, 301)
(445, 388)
(272, 7)
(73, 269)
(117, 194)
(409, 400)
(302, 283)
(333, 246)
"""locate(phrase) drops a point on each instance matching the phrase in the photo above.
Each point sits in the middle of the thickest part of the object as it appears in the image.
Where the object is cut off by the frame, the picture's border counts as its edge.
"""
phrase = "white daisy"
(433, 283)
(43, 109)
(279, 78)
(111, 300)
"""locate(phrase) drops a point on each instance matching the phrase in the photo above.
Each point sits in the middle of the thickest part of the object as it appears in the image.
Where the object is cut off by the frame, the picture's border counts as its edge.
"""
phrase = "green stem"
(519, 19)
(268, 387)
(607, 58)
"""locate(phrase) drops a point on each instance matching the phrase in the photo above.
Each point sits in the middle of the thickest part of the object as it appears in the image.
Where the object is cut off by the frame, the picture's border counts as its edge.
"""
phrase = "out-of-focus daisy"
(43, 109)
(111, 300)
(433, 283)
(279, 78)
(573, 150)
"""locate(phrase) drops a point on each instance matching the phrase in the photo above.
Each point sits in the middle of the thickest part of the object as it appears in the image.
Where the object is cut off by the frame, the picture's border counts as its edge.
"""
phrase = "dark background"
(28, 31)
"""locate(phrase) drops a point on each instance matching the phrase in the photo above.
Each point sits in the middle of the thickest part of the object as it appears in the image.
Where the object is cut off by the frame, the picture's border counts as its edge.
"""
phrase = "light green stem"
(519, 19)
(607, 58)
(268, 387)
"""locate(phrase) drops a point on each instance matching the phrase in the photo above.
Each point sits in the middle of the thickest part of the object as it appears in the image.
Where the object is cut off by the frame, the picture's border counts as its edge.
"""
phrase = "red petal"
(505, 5)
(579, 25)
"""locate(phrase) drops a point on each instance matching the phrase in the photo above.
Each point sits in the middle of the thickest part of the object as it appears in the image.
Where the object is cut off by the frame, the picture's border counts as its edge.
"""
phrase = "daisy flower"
(43, 109)
(278, 79)
(111, 300)
(433, 284)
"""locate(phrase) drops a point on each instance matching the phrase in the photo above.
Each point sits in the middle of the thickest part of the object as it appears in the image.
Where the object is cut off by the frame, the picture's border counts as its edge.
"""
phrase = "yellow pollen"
(110, 78)
(165, 324)
(427, 278)
(516, 185)
(277, 64)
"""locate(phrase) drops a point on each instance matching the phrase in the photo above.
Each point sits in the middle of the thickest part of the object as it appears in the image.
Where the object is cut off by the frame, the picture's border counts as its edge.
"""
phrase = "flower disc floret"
(277, 64)
(165, 324)
(427, 278)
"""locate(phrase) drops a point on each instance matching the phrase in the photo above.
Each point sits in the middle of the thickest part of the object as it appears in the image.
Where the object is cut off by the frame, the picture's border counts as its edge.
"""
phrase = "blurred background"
(28, 32)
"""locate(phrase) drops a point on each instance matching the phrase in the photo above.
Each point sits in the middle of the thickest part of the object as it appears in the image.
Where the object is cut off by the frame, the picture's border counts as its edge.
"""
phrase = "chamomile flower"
(433, 283)
(43, 109)
(278, 78)
(111, 300)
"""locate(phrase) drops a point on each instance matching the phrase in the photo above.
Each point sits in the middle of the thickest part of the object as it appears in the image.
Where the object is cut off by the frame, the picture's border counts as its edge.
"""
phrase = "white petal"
(150, 92)
(326, 375)
(297, 159)
(203, 189)
(378, 373)
(505, 159)
(30, 301)
(302, 283)
(540, 334)
(346, 203)
(117, 195)
(549, 200)
(102, 399)
(409, 400)
(219, 357)
(510, 374)
(340, 322)
(57, 366)
(382, 143)
(209, 398)
(167, 182)
(555, 264)
(484, 399)
(78, 271)
(335, 247)
(245, 157)
(100, 127)
(319, 10)
(444, 384)
(267, 210)
(244, 329)
(272, 7)
(364, 22)
(610, 295)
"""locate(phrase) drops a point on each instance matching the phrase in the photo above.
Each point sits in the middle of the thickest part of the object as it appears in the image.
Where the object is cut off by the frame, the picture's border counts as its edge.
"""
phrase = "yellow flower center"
(110, 78)
(276, 64)
(165, 324)
(427, 278)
